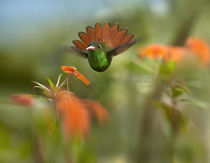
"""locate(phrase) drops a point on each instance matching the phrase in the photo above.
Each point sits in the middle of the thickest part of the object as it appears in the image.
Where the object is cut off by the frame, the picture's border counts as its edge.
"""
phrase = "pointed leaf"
(58, 81)
(51, 83)
(41, 86)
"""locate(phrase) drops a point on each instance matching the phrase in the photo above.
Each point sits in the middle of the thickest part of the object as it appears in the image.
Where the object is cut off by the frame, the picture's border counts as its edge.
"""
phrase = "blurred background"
(32, 35)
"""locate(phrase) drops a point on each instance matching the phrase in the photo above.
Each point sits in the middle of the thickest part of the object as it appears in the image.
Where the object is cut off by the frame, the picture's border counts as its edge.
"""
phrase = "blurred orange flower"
(153, 51)
(200, 48)
(176, 53)
(97, 109)
(162, 51)
(75, 113)
(73, 70)
(23, 99)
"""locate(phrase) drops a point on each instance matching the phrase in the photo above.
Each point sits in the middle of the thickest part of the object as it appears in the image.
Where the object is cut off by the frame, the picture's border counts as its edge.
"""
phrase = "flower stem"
(66, 80)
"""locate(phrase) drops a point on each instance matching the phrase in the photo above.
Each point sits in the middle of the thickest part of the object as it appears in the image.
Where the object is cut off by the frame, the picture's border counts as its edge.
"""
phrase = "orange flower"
(73, 70)
(175, 53)
(69, 69)
(97, 109)
(23, 99)
(75, 113)
(162, 51)
(200, 48)
(153, 51)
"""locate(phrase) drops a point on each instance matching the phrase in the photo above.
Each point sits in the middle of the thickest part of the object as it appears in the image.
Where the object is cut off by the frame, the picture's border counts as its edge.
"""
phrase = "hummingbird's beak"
(91, 48)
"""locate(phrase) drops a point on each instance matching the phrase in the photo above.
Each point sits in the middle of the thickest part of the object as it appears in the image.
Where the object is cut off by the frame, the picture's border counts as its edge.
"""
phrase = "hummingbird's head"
(97, 58)
(94, 46)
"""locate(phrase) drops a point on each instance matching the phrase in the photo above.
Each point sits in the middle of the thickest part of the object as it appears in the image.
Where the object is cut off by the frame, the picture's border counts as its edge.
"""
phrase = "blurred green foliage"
(132, 134)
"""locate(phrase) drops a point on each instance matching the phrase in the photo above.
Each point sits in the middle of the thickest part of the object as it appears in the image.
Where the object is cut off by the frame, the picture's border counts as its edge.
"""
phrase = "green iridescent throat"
(98, 60)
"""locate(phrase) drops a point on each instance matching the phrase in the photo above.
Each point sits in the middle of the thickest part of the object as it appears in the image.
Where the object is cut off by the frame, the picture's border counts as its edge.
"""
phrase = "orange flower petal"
(175, 53)
(200, 48)
(100, 112)
(73, 70)
(68, 69)
(74, 115)
(153, 51)
(83, 78)
(77, 121)
(23, 99)
(156, 51)
(97, 109)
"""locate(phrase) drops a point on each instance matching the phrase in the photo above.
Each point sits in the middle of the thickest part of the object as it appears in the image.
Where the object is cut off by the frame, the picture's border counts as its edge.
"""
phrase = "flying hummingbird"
(101, 43)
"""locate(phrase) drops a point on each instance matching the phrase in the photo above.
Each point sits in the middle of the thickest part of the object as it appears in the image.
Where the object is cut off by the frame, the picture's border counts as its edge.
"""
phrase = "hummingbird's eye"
(99, 46)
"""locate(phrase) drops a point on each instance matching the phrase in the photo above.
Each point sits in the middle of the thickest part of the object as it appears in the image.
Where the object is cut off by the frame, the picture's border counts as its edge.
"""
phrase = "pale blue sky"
(18, 15)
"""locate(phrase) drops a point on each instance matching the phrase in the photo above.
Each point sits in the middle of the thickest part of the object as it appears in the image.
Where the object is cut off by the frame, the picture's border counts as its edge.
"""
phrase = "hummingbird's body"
(99, 45)
(98, 60)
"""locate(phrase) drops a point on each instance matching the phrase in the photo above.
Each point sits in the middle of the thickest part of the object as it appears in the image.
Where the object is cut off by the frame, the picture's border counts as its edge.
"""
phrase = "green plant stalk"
(148, 128)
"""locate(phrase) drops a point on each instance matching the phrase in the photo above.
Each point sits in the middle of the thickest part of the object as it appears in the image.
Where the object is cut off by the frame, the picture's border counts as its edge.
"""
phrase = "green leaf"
(199, 104)
(179, 90)
(169, 113)
(51, 83)
(167, 68)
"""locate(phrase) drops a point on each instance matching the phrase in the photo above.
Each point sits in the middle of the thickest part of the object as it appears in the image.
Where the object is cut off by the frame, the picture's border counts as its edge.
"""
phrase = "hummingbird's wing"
(75, 50)
(120, 48)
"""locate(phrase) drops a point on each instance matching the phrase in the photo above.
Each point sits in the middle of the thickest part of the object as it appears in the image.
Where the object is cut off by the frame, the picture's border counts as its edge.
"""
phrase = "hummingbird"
(101, 43)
